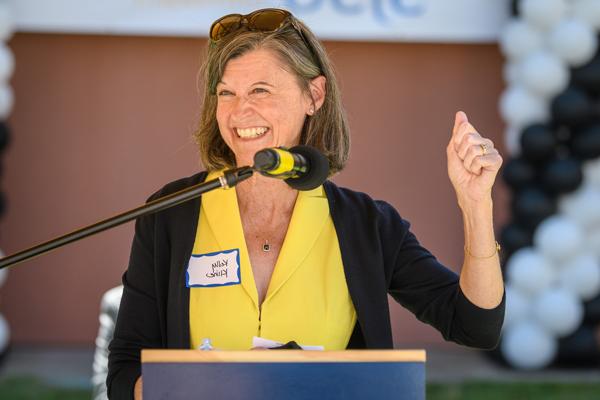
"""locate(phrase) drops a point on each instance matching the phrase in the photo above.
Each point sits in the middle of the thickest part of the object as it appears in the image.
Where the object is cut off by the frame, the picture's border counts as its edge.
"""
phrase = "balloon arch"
(7, 65)
(552, 244)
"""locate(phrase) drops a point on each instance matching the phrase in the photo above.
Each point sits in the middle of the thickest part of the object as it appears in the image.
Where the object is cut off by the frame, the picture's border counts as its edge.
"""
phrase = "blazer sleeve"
(138, 322)
(420, 283)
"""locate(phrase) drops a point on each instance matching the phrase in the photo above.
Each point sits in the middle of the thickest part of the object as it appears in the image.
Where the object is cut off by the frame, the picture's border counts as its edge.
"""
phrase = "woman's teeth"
(251, 132)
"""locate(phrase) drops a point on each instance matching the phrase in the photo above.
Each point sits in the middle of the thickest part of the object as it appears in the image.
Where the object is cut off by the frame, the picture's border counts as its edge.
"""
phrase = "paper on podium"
(268, 344)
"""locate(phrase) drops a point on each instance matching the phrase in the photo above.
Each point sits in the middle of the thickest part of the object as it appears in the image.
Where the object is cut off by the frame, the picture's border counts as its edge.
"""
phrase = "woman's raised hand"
(473, 162)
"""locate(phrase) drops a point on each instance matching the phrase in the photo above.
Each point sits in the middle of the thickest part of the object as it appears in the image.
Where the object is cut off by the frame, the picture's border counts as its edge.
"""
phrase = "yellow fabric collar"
(310, 210)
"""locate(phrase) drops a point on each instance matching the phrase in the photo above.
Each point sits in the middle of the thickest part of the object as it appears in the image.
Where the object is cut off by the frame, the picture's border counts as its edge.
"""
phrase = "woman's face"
(260, 105)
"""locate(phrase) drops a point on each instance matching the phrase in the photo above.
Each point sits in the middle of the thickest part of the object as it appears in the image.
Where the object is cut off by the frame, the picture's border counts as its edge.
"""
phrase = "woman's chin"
(245, 151)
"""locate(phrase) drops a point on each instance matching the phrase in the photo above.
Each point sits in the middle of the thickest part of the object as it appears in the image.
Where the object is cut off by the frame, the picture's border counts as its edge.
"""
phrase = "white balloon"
(512, 140)
(520, 107)
(583, 206)
(544, 74)
(543, 13)
(574, 41)
(558, 311)
(558, 238)
(510, 73)
(581, 276)
(7, 25)
(592, 241)
(7, 63)
(111, 300)
(4, 334)
(529, 271)
(528, 346)
(591, 173)
(518, 38)
(588, 11)
(518, 306)
(6, 101)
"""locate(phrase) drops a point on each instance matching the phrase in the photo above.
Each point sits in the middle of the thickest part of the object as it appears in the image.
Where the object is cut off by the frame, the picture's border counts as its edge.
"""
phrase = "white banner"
(404, 20)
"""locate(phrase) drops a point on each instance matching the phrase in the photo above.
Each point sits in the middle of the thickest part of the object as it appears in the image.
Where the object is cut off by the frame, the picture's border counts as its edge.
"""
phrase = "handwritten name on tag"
(214, 269)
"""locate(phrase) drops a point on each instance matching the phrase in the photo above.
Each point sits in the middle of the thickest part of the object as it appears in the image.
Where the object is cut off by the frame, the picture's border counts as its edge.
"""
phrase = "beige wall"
(100, 122)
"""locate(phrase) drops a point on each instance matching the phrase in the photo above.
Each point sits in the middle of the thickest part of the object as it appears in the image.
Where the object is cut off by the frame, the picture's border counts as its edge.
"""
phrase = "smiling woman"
(314, 267)
(297, 60)
(260, 104)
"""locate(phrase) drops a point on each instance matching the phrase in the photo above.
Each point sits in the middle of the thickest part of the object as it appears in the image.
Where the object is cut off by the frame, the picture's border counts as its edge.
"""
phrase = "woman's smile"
(260, 104)
(251, 132)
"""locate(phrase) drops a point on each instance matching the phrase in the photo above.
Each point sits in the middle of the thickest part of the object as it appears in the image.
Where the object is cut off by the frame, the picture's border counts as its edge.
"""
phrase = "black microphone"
(302, 167)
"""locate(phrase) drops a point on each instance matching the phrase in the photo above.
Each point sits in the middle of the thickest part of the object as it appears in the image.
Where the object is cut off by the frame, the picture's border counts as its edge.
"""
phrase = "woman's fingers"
(490, 160)
(479, 147)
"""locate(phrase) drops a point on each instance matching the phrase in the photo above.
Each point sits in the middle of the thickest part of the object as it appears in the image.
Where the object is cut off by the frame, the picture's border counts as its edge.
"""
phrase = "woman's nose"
(241, 108)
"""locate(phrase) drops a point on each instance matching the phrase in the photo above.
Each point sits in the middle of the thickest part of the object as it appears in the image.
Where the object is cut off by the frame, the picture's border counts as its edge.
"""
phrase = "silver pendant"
(266, 246)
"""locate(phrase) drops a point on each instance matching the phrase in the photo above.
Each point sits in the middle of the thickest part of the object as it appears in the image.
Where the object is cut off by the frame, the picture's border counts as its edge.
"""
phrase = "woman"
(316, 266)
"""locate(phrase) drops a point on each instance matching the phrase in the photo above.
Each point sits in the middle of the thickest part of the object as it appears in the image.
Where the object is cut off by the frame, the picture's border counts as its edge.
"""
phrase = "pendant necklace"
(266, 247)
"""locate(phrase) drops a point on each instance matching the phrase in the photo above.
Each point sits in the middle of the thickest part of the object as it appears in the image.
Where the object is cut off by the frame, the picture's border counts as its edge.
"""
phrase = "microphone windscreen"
(265, 160)
(318, 169)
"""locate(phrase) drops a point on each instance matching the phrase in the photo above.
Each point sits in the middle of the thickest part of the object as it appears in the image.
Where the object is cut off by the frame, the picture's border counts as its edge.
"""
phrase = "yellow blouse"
(307, 299)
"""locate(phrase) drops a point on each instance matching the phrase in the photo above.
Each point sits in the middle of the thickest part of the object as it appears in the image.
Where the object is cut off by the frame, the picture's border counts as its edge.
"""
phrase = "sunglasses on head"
(265, 20)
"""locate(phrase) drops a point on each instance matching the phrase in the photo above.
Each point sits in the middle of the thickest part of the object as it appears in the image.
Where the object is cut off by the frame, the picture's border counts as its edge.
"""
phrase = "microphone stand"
(229, 179)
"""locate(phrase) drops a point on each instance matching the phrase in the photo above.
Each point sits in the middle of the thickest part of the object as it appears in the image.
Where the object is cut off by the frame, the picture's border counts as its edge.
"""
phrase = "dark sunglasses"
(265, 20)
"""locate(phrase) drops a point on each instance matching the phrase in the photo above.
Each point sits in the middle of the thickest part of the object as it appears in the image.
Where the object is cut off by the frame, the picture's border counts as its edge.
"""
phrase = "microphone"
(302, 167)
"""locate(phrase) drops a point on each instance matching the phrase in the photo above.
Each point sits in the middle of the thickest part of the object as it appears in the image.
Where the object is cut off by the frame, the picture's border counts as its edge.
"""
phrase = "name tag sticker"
(214, 269)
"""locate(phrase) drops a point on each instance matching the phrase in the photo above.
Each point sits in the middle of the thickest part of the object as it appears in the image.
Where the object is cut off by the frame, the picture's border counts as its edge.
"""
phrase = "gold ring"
(484, 148)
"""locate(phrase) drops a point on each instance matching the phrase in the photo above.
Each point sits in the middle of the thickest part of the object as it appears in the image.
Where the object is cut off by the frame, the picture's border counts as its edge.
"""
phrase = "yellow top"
(307, 299)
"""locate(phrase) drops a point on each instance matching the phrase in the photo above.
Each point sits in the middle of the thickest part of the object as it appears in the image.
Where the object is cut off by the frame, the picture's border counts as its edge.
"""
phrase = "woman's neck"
(272, 196)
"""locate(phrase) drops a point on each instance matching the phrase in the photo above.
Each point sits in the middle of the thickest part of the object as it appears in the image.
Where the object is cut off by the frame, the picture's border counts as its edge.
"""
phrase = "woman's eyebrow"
(262, 83)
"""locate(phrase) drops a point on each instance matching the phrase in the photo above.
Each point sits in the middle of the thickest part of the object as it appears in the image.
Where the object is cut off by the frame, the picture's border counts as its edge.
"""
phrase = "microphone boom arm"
(229, 179)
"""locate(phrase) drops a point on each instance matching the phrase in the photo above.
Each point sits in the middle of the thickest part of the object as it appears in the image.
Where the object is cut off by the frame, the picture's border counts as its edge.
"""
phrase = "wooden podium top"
(283, 356)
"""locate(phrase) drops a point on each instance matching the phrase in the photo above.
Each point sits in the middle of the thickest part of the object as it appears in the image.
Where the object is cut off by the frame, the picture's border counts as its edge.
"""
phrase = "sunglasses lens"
(267, 20)
(225, 25)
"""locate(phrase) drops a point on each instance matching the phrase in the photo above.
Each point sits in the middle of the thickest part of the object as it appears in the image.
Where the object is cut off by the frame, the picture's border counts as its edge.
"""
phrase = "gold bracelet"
(496, 251)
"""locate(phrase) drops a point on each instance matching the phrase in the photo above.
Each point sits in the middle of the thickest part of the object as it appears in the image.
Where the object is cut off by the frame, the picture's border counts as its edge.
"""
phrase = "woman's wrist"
(478, 220)
(475, 206)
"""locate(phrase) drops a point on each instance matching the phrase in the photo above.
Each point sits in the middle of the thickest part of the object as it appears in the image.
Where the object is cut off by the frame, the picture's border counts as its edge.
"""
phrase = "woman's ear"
(317, 93)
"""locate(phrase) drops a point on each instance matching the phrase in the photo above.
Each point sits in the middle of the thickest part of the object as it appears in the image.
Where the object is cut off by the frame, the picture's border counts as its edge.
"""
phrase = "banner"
(387, 20)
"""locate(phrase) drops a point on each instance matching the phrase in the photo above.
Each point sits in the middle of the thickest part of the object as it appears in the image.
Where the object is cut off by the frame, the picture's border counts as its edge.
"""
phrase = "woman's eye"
(260, 90)
(224, 93)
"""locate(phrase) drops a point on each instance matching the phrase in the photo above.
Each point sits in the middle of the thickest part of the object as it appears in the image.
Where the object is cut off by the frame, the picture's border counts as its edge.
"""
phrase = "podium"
(283, 374)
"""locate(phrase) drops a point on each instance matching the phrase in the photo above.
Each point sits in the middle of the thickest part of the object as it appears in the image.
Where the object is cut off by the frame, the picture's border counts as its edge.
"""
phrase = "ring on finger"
(484, 148)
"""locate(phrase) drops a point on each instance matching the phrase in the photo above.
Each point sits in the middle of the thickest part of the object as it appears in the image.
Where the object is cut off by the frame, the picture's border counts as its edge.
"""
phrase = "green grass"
(29, 388)
(514, 391)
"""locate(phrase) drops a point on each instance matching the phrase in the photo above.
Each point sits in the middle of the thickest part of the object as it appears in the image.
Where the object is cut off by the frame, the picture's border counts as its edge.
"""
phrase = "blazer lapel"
(223, 216)
(308, 219)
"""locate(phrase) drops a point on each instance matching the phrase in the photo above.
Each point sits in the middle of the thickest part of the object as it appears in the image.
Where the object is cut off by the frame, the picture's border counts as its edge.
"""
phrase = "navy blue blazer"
(380, 256)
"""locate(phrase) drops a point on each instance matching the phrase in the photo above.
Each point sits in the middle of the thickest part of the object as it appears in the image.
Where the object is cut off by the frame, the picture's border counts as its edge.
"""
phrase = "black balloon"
(514, 237)
(572, 107)
(585, 144)
(581, 348)
(538, 142)
(531, 206)
(518, 173)
(562, 176)
(514, 8)
(591, 313)
(4, 135)
(588, 76)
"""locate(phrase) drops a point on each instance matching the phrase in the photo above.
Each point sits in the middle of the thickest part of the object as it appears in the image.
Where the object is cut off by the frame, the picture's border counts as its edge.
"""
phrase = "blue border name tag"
(221, 268)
